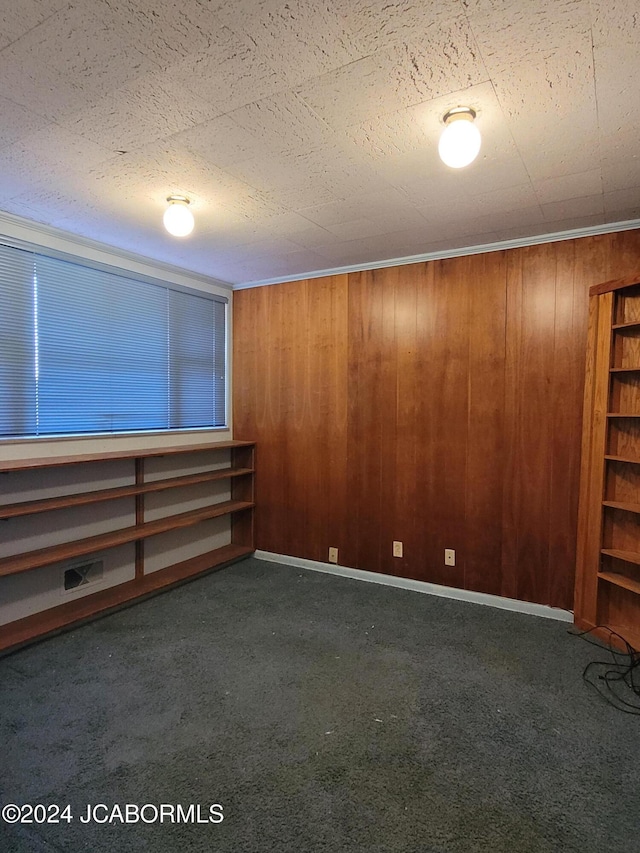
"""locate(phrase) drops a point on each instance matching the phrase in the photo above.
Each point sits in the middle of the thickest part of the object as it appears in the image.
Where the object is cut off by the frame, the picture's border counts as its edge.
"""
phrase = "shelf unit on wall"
(239, 508)
(607, 590)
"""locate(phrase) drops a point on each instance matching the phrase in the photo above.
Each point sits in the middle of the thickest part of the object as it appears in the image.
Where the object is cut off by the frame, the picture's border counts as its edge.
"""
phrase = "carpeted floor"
(323, 714)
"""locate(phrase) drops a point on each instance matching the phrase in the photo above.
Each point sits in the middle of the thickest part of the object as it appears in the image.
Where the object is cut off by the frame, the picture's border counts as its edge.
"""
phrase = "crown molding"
(520, 242)
(47, 236)
(55, 239)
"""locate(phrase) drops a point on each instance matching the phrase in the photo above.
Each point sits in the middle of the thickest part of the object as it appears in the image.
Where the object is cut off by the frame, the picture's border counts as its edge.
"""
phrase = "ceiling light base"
(458, 113)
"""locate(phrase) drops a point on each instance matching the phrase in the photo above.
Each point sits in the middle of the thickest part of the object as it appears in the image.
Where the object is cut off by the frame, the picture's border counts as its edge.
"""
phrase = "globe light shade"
(178, 219)
(460, 140)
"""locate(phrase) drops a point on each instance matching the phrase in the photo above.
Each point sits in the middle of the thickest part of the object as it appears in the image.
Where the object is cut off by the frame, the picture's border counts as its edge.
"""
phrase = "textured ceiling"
(305, 132)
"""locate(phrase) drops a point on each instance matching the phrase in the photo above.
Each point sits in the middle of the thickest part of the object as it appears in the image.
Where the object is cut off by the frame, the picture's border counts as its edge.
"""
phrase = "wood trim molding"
(498, 246)
(616, 284)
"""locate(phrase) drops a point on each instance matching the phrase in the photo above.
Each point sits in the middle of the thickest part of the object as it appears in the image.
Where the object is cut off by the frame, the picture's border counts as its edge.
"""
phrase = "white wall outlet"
(449, 557)
(397, 549)
(333, 555)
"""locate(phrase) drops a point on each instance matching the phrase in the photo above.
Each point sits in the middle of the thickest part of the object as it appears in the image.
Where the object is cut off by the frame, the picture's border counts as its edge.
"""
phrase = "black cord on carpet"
(616, 680)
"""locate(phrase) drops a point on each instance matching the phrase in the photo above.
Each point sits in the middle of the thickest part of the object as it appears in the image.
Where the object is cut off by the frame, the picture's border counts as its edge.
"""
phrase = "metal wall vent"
(83, 575)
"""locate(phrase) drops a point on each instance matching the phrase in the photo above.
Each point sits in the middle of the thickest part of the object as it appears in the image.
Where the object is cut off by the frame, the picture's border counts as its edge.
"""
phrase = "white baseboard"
(527, 607)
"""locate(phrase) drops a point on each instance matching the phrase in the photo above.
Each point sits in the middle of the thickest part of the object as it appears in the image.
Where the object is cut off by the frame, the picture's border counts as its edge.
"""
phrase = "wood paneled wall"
(439, 404)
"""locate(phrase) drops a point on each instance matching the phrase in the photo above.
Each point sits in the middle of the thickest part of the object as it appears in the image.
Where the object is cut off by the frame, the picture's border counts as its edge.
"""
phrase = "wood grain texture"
(439, 404)
(584, 593)
(368, 406)
(616, 284)
(484, 483)
(290, 386)
(446, 394)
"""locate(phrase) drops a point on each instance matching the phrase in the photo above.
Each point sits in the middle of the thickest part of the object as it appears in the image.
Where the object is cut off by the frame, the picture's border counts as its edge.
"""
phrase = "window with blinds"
(88, 350)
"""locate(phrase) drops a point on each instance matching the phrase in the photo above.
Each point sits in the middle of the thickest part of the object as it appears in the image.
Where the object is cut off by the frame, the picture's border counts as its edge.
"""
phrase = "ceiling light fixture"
(460, 140)
(178, 219)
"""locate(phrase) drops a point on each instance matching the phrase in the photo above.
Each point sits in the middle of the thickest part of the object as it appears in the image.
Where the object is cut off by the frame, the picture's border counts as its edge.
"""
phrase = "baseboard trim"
(513, 604)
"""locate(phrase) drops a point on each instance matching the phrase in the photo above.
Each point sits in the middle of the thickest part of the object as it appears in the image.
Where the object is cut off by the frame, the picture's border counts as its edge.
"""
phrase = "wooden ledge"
(109, 455)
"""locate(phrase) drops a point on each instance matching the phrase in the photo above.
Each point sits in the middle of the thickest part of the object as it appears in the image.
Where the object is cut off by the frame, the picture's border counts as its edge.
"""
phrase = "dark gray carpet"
(324, 714)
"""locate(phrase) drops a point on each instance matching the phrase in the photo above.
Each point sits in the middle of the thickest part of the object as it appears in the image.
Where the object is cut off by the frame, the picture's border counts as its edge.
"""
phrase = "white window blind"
(85, 350)
(193, 358)
(17, 344)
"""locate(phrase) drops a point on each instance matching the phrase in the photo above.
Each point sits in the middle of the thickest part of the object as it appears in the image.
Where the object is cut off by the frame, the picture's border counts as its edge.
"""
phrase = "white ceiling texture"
(305, 131)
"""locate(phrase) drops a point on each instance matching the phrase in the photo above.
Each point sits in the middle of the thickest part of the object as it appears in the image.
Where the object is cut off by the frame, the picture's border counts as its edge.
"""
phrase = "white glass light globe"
(460, 143)
(178, 219)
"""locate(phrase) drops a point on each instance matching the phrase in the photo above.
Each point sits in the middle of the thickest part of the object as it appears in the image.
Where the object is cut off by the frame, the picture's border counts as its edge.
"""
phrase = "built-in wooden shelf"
(109, 455)
(624, 327)
(73, 612)
(626, 506)
(83, 498)
(626, 556)
(67, 551)
(608, 534)
(620, 580)
(238, 471)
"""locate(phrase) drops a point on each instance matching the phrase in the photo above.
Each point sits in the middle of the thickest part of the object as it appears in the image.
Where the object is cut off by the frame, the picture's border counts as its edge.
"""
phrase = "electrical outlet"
(333, 555)
(449, 557)
(397, 549)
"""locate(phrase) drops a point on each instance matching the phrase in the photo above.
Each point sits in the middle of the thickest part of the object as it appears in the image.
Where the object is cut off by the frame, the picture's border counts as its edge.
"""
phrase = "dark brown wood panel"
(387, 282)
(401, 475)
(570, 322)
(256, 384)
(446, 394)
(484, 484)
(425, 430)
(535, 449)
(290, 381)
(426, 423)
(368, 407)
(457, 391)
(324, 426)
(512, 424)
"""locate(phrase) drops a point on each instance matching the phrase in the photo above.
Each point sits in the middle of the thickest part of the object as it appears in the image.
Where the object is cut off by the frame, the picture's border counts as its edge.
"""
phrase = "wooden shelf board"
(607, 589)
(620, 580)
(623, 327)
(83, 498)
(614, 284)
(625, 556)
(627, 507)
(59, 553)
(23, 630)
(110, 455)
